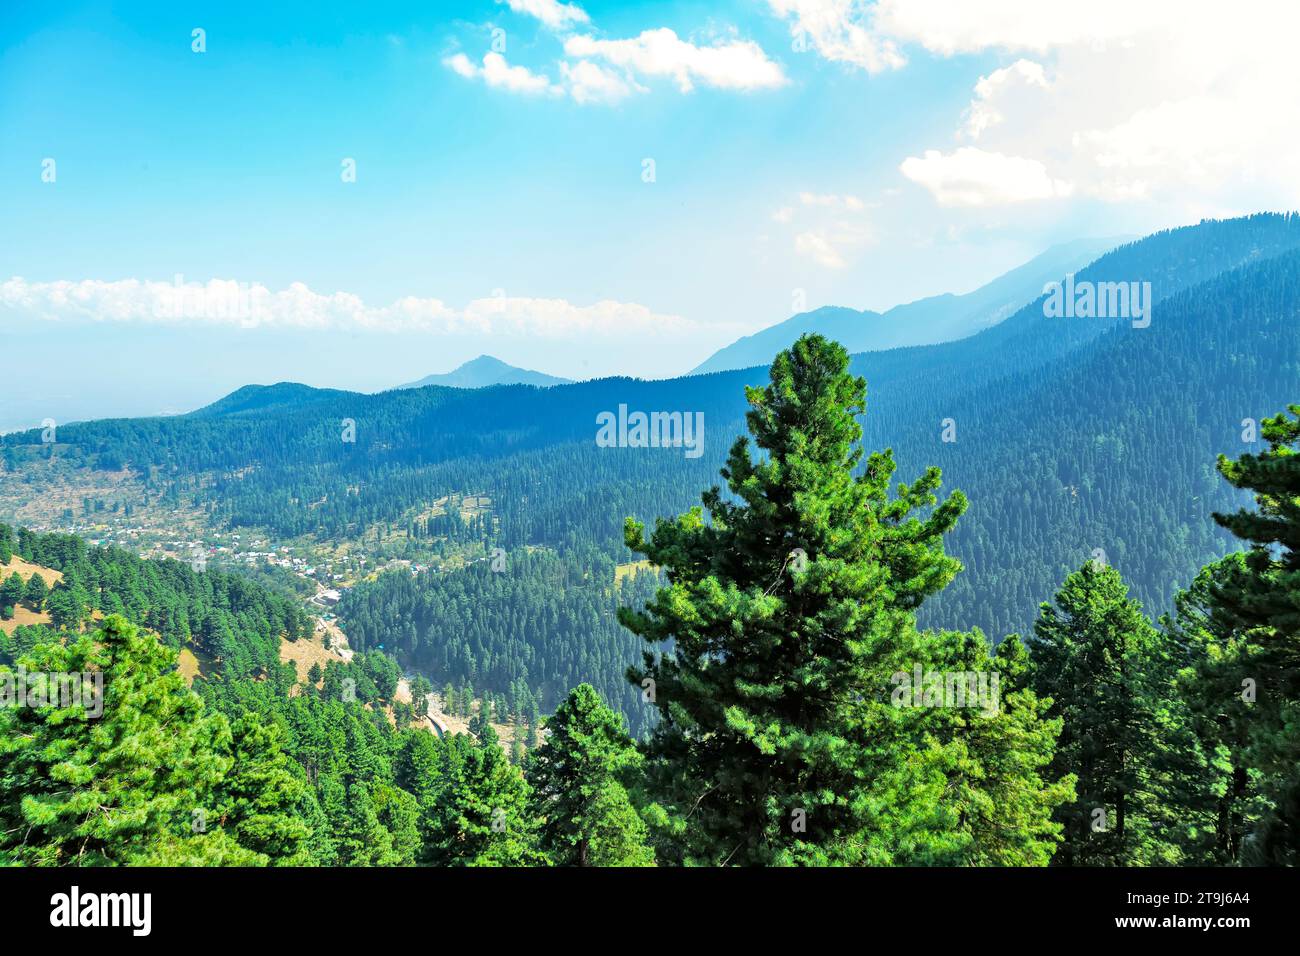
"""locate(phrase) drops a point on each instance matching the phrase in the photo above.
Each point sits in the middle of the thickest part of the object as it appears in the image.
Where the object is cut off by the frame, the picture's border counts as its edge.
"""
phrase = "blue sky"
(818, 151)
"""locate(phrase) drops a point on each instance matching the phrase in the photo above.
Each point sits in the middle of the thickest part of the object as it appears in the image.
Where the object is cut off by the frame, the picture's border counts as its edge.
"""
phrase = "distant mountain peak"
(938, 318)
(487, 370)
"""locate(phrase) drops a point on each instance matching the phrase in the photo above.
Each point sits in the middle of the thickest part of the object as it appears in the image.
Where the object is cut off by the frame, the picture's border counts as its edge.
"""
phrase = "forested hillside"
(536, 624)
(257, 764)
(1071, 436)
(803, 716)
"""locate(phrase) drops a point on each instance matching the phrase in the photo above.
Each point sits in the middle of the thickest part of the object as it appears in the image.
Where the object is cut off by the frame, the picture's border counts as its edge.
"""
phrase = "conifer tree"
(140, 783)
(577, 785)
(1219, 801)
(478, 814)
(1001, 793)
(1100, 661)
(260, 794)
(788, 610)
(11, 592)
(1260, 599)
(35, 593)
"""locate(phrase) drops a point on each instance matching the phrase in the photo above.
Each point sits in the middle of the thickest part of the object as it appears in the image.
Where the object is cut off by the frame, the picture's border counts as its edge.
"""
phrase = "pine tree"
(789, 610)
(1001, 793)
(11, 592)
(577, 787)
(1100, 661)
(362, 839)
(137, 785)
(1260, 600)
(259, 796)
(478, 814)
(35, 593)
(1219, 801)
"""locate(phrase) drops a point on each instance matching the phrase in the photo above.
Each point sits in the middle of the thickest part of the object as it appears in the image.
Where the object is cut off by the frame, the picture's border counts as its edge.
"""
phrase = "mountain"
(940, 318)
(486, 370)
(255, 399)
(1072, 436)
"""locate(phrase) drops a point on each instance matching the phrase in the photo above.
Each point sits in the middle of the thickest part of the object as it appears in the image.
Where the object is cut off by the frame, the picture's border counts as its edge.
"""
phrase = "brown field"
(631, 569)
(22, 613)
(26, 570)
(304, 653)
(188, 665)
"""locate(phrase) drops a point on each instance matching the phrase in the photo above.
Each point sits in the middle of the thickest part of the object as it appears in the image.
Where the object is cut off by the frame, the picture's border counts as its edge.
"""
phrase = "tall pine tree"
(577, 779)
(1101, 662)
(788, 611)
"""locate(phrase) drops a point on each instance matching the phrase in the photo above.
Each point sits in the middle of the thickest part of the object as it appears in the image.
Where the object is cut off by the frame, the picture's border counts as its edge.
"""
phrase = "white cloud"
(819, 247)
(500, 75)
(974, 177)
(832, 201)
(462, 64)
(959, 26)
(828, 228)
(733, 65)
(1175, 101)
(226, 302)
(589, 82)
(1004, 91)
(551, 13)
(840, 31)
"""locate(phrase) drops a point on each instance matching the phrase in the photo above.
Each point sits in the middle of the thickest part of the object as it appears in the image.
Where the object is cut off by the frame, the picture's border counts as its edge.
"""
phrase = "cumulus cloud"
(584, 81)
(551, 13)
(1009, 89)
(1178, 101)
(589, 82)
(973, 177)
(500, 75)
(841, 31)
(226, 302)
(729, 65)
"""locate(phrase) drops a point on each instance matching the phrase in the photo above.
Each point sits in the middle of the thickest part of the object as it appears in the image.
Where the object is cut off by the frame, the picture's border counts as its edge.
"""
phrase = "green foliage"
(577, 778)
(142, 783)
(1256, 604)
(477, 813)
(35, 593)
(1002, 788)
(789, 612)
(529, 632)
(1220, 802)
(11, 592)
(1110, 681)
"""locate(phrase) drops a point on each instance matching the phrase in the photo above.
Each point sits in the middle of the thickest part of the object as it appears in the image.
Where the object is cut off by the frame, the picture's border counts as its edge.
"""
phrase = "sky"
(196, 196)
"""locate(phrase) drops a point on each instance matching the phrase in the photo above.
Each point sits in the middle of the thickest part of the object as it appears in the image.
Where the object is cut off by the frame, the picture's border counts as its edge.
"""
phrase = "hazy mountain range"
(939, 318)
(1070, 434)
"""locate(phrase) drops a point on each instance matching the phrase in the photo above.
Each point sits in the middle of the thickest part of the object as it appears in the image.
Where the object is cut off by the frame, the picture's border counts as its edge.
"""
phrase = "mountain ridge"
(486, 371)
(931, 320)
